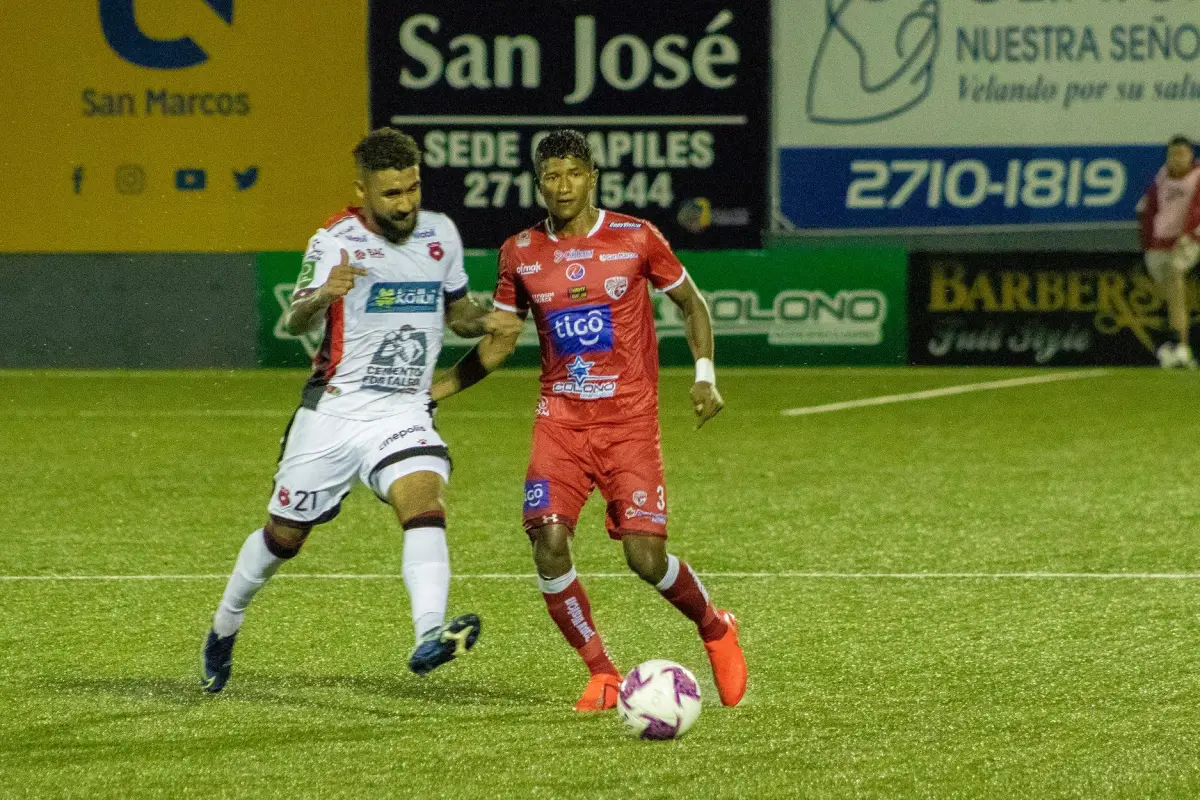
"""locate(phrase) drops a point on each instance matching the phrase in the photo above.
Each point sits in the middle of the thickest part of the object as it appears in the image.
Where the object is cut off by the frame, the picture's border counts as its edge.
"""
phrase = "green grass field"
(921, 587)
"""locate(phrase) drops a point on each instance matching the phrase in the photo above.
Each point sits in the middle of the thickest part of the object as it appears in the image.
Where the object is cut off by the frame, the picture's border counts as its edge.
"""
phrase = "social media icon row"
(130, 179)
(192, 179)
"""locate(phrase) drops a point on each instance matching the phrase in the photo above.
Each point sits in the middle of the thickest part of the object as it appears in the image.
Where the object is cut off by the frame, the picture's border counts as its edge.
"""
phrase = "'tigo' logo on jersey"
(537, 495)
(407, 297)
(586, 329)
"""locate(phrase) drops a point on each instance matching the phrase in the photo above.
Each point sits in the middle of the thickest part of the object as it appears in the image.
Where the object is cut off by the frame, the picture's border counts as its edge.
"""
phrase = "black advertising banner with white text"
(1035, 309)
(674, 99)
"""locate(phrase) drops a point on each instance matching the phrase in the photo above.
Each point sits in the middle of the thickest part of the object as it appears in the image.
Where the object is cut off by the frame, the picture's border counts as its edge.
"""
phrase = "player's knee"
(646, 556)
(284, 539)
(420, 494)
(552, 549)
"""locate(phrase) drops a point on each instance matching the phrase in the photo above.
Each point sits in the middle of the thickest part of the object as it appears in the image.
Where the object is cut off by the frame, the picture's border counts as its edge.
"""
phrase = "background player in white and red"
(585, 273)
(1169, 223)
(385, 277)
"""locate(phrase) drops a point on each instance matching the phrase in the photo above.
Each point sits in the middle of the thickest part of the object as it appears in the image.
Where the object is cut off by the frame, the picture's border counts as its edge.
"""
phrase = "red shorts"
(624, 463)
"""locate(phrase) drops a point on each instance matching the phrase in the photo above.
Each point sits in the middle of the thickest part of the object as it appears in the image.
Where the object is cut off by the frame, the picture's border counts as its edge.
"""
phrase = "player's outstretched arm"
(697, 328)
(305, 309)
(503, 328)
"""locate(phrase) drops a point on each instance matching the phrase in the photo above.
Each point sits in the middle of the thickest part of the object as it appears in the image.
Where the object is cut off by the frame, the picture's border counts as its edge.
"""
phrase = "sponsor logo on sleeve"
(407, 297)
(307, 271)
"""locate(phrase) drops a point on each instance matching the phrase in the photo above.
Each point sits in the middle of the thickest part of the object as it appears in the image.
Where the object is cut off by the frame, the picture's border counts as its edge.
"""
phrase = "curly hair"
(565, 143)
(387, 148)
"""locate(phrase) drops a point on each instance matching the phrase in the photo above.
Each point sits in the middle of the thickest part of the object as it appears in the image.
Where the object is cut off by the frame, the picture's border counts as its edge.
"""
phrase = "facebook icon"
(190, 180)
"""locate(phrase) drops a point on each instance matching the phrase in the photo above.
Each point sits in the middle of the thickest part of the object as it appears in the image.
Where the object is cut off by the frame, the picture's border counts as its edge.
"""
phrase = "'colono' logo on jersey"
(537, 495)
(575, 272)
(405, 297)
(586, 329)
(583, 384)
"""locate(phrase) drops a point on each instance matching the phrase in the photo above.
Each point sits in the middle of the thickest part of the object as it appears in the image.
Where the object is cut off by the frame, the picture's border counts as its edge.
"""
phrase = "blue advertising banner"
(950, 113)
(887, 187)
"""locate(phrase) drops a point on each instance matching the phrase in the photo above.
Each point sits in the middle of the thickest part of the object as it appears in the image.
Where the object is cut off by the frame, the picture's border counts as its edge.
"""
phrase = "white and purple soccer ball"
(659, 700)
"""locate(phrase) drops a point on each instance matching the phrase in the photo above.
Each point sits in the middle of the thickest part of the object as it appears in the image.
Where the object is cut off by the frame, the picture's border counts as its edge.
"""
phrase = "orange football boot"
(601, 693)
(728, 662)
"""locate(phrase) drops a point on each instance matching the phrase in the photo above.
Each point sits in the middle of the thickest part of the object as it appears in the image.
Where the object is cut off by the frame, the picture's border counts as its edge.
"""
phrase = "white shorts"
(1159, 263)
(321, 455)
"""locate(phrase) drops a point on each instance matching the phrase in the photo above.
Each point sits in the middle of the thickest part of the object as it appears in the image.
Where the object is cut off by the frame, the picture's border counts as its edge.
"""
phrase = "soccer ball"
(659, 700)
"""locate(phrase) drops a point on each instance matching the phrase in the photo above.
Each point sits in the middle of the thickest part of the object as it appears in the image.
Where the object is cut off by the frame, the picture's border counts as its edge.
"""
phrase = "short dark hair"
(565, 143)
(1179, 139)
(387, 148)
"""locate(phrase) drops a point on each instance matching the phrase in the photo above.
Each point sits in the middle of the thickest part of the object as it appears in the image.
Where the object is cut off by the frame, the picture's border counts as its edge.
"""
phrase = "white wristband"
(705, 371)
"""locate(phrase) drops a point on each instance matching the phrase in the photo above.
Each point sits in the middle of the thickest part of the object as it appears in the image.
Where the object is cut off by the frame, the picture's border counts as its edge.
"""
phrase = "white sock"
(427, 577)
(672, 574)
(255, 565)
(556, 585)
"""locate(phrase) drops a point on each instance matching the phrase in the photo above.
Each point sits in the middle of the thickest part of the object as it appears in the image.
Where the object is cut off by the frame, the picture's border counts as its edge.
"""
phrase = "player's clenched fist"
(706, 402)
(341, 278)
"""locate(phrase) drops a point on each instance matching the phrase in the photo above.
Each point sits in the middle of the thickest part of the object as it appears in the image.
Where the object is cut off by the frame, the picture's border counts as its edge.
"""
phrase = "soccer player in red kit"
(585, 273)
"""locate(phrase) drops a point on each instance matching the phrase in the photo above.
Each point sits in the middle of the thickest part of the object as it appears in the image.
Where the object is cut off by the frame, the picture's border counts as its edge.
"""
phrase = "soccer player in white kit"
(383, 277)
(1169, 224)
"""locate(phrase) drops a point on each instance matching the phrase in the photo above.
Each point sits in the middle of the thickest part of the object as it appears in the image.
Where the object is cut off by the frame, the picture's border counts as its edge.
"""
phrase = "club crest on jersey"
(640, 498)
(523, 239)
(572, 255)
(616, 286)
(575, 272)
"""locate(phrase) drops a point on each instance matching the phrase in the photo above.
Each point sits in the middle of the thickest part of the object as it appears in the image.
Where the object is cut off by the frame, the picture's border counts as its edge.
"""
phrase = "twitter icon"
(246, 178)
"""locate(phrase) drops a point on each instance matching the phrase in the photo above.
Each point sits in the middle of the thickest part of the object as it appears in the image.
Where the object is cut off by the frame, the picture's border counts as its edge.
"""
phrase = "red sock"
(687, 594)
(572, 613)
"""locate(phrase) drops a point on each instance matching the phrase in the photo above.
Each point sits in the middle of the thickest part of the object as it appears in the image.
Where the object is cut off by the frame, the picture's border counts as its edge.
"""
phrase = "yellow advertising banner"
(177, 125)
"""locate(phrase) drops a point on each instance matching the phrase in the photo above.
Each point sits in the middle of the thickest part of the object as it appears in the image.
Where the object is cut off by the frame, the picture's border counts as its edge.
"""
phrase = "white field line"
(944, 391)
(521, 576)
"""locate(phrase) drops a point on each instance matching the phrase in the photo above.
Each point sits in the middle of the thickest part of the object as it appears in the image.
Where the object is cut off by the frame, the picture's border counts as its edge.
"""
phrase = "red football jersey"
(595, 321)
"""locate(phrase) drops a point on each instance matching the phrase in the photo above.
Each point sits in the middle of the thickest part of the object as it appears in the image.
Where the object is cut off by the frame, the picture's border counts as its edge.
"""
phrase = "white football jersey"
(383, 338)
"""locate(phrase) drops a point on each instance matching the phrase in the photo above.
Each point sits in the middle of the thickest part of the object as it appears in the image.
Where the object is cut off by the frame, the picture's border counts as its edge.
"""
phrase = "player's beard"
(396, 229)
